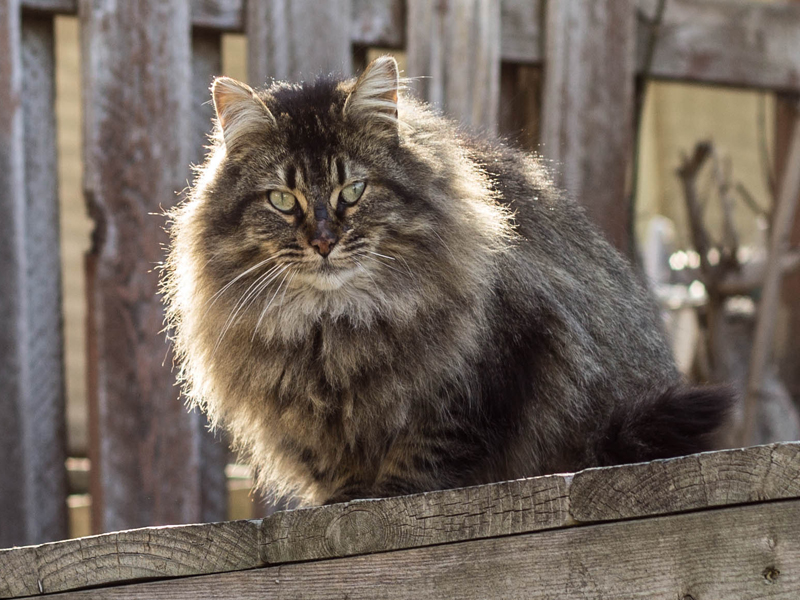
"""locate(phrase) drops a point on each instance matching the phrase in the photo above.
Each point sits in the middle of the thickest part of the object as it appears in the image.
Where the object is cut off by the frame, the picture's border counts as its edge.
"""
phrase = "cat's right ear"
(239, 110)
(374, 97)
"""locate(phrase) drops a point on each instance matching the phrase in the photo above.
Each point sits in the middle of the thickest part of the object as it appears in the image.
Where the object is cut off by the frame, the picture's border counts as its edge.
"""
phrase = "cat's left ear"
(373, 99)
(239, 110)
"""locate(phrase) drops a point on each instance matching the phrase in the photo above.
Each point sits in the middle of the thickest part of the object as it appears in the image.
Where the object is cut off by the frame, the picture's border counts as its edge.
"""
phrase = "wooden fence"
(146, 68)
(720, 525)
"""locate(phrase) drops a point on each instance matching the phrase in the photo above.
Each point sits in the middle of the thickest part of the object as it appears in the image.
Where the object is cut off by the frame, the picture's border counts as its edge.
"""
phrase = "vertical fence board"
(32, 451)
(206, 63)
(455, 46)
(12, 268)
(46, 476)
(297, 39)
(137, 118)
(587, 120)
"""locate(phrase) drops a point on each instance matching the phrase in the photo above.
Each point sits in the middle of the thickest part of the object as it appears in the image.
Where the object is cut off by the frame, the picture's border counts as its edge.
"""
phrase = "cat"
(373, 302)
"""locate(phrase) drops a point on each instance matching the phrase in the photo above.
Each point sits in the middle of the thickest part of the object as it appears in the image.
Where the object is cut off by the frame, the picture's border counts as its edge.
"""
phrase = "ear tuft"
(374, 95)
(239, 110)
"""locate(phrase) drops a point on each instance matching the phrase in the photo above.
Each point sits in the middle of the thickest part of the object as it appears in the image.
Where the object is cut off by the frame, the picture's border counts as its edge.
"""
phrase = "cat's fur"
(469, 325)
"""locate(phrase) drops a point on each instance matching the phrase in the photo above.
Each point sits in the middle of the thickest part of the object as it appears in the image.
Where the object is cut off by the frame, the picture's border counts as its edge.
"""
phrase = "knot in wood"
(357, 530)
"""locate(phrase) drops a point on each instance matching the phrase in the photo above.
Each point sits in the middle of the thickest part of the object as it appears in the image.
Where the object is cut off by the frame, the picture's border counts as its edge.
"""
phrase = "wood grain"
(138, 128)
(12, 272)
(218, 15)
(298, 39)
(587, 106)
(744, 44)
(687, 483)
(421, 520)
(454, 47)
(743, 552)
(129, 555)
(698, 482)
(32, 473)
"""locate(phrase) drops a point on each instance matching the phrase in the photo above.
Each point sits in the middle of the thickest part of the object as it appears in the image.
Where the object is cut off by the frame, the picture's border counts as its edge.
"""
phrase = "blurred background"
(672, 121)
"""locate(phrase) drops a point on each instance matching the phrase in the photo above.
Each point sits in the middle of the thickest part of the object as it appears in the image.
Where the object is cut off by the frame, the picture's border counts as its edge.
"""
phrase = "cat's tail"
(680, 421)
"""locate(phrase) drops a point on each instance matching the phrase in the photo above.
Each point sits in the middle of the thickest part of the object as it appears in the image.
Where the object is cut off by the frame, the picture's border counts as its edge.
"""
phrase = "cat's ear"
(374, 96)
(239, 110)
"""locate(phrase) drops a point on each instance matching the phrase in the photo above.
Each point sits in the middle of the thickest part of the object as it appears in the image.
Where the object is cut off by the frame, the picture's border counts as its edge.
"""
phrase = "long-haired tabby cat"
(374, 303)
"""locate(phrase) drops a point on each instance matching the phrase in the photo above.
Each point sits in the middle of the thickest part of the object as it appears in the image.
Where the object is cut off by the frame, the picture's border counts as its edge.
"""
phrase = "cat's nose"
(324, 239)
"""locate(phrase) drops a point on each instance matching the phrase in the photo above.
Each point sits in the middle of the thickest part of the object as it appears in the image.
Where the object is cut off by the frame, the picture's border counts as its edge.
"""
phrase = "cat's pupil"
(351, 193)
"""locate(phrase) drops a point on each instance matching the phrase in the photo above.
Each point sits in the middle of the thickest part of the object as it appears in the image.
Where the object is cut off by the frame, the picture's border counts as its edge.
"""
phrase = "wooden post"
(297, 39)
(587, 121)
(455, 48)
(33, 485)
(146, 459)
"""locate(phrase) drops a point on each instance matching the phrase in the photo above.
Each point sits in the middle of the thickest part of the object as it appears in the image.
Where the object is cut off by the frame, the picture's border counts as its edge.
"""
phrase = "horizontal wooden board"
(420, 520)
(715, 479)
(688, 483)
(745, 44)
(153, 552)
(748, 44)
(743, 552)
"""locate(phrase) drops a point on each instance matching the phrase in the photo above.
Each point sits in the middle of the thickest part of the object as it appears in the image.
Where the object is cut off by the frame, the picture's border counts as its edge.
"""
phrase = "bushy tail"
(677, 422)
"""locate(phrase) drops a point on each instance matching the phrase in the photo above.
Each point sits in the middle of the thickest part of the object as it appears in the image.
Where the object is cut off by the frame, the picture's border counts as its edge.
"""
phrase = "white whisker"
(266, 308)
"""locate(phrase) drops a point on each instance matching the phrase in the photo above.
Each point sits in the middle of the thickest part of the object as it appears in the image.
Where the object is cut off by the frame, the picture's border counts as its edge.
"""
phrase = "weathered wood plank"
(137, 120)
(297, 39)
(44, 411)
(687, 483)
(745, 44)
(12, 273)
(421, 520)
(219, 15)
(587, 106)
(455, 48)
(380, 23)
(207, 63)
(521, 27)
(64, 7)
(742, 552)
(32, 473)
(697, 482)
(129, 555)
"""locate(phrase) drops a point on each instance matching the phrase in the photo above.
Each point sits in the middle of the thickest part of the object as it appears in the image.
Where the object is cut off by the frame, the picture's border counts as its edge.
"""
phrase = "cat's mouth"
(327, 275)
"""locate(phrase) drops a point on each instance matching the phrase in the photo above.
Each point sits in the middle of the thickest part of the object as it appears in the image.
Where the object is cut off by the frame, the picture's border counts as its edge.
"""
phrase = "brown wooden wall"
(565, 69)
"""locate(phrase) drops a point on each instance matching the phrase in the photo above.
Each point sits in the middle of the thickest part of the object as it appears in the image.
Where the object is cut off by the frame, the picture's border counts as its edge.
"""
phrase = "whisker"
(367, 272)
(381, 255)
(387, 265)
(266, 308)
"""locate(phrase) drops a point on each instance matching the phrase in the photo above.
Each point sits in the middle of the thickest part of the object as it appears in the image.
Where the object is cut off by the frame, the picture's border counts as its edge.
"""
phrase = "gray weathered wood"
(455, 48)
(206, 63)
(65, 7)
(32, 473)
(137, 119)
(297, 39)
(129, 555)
(687, 483)
(745, 44)
(744, 553)
(379, 23)
(521, 27)
(12, 273)
(698, 482)
(587, 106)
(220, 15)
(421, 520)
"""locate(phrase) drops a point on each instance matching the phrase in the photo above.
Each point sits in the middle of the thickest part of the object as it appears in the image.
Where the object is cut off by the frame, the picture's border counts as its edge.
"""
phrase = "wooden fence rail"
(146, 69)
(714, 525)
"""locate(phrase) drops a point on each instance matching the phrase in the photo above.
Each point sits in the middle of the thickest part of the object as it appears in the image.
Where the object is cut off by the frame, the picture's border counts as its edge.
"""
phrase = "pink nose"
(324, 239)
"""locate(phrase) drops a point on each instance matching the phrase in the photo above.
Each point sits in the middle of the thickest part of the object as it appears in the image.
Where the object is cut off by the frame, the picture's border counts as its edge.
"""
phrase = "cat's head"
(337, 196)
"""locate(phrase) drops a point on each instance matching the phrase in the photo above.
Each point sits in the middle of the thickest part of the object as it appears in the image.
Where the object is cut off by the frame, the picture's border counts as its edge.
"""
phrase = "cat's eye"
(351, 193)
(283, 201)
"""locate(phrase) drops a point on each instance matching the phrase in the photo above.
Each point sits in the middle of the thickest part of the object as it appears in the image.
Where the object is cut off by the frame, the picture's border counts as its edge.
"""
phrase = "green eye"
(351, 193)
(283, 201)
